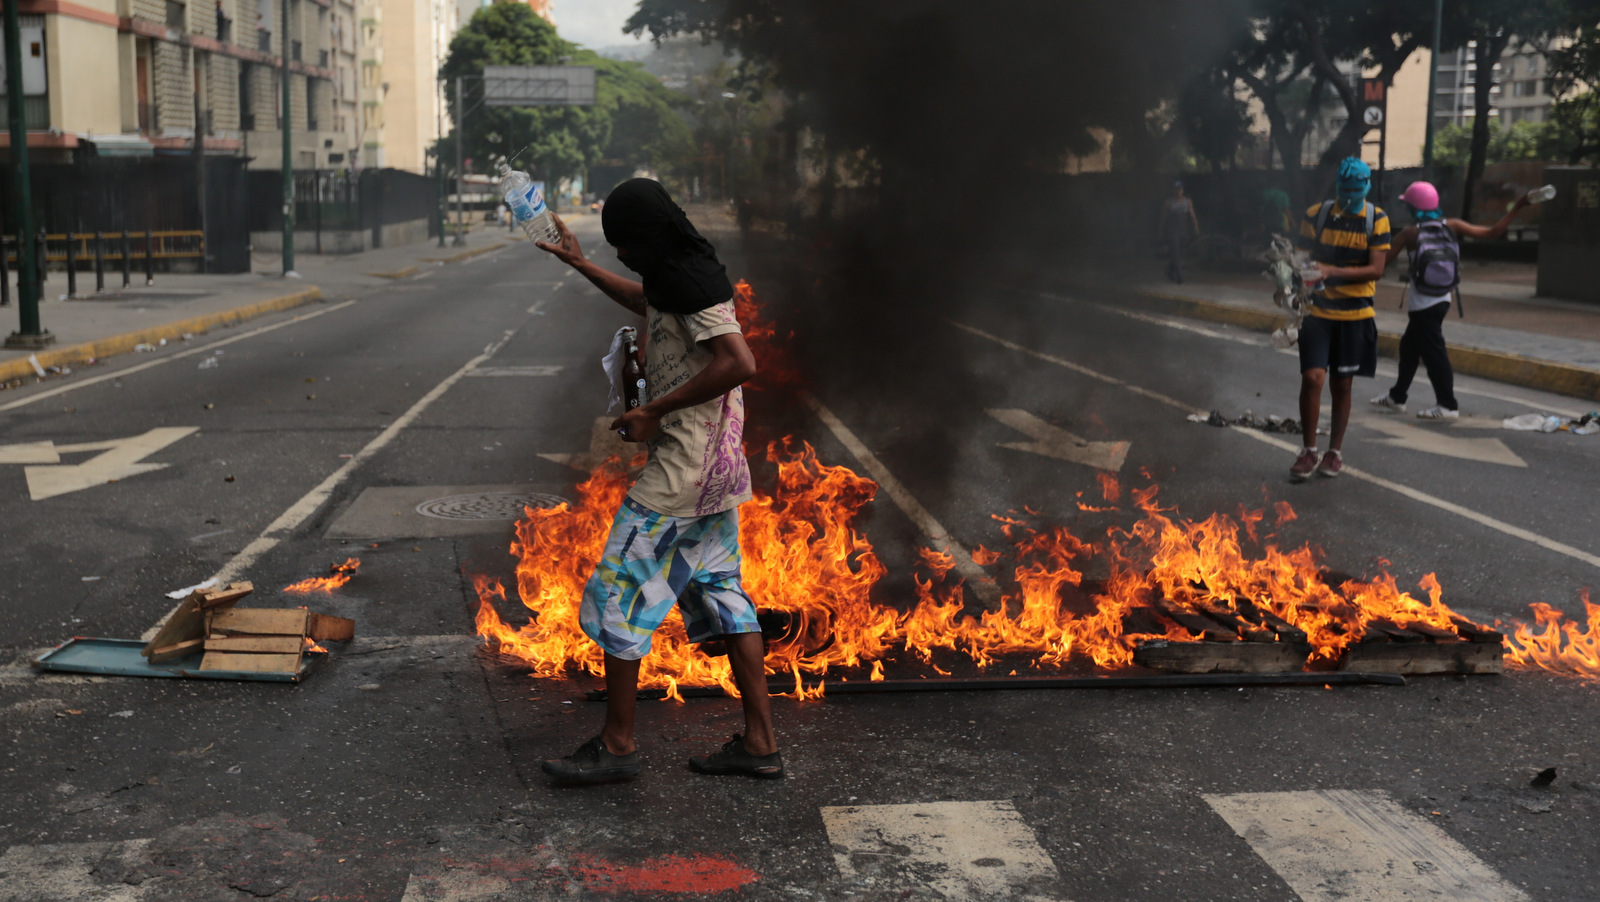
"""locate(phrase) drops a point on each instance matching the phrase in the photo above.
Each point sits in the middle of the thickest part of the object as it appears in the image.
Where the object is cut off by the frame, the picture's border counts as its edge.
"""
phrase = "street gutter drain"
(486, 505)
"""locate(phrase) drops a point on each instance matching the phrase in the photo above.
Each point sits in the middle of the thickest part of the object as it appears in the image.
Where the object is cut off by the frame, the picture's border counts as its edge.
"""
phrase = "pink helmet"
(1421, 195)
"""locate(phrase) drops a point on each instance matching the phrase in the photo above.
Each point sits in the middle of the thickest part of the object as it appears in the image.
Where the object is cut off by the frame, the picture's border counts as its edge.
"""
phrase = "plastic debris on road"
(1539, 422)
(1248, 420)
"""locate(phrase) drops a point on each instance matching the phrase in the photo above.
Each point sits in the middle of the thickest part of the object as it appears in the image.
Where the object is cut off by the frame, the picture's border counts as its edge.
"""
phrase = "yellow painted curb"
(21, 367)
(466, 255)
(1512, 369)
(406, 273)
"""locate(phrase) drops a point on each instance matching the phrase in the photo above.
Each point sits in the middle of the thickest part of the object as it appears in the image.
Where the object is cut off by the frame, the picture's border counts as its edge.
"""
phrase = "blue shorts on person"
(1342, 347)
(654, 561)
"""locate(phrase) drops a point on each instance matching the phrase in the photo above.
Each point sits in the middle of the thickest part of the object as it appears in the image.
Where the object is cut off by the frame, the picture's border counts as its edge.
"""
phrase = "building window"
(247, 113)
(311, 105)
(224, 26)
(177, 15)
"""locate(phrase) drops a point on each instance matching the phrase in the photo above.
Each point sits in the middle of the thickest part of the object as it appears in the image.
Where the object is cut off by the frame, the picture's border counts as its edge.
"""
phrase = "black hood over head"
(678, 266)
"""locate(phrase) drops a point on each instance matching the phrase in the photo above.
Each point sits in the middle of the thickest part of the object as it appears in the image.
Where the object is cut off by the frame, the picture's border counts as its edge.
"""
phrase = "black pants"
(1175, 243)
(1424, 341)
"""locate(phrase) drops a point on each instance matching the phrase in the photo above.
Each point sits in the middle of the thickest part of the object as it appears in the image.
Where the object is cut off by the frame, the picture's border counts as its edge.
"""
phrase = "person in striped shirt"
(1348, 238)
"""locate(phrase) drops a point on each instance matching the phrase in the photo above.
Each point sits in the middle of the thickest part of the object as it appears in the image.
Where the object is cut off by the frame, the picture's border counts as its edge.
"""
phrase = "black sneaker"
(593, 763)
(734, 760)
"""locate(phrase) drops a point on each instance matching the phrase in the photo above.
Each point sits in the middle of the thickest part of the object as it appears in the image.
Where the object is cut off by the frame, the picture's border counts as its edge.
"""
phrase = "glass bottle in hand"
(634, 391)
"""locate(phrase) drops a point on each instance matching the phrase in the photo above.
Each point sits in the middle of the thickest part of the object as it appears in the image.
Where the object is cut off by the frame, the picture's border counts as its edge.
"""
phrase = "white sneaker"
(1437, 413)
(1388, 403)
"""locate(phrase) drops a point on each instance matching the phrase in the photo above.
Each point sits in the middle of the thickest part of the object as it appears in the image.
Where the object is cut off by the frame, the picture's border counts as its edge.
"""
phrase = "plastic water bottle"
(1540, 195)
(527, 206)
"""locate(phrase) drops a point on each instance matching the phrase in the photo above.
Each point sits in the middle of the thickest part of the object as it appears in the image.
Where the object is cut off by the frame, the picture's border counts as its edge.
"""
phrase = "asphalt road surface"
(406, 767)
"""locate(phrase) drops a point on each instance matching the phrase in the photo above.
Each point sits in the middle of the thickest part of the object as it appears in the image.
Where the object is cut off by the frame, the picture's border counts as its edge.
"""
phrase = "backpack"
(1327, 207)
(1436, 263)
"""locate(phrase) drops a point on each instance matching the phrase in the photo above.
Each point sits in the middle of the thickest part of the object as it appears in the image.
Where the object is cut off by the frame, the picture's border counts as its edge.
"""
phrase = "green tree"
(1575, 80)
(633, 118)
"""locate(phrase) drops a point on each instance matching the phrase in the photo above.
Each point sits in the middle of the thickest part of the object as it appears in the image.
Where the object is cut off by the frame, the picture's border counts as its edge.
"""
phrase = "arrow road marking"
(121, 459)
(1053, 441)
(603, 443)
(1432, 441)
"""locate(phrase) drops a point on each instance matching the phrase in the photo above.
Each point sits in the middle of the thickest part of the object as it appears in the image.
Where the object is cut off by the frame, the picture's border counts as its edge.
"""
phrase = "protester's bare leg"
(1311, 404)
(746, 654)
(622, 698)
(1339, 410)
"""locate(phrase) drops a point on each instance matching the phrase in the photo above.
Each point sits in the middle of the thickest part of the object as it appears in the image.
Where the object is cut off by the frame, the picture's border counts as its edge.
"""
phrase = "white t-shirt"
(1417, 300)
(697, 465)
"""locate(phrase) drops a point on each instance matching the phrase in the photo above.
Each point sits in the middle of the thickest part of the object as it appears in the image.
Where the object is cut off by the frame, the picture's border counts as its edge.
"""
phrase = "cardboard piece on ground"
(188, 621)
(328, 628)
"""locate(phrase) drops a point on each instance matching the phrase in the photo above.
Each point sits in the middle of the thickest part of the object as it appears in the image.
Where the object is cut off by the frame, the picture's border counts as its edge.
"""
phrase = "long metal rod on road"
(1158, 681)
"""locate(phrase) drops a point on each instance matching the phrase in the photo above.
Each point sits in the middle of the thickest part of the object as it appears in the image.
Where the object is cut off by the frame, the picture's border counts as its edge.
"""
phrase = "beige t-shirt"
(697, 464)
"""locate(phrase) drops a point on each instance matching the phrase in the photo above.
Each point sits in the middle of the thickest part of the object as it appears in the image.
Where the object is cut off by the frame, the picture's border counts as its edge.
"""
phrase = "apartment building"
(136, 77)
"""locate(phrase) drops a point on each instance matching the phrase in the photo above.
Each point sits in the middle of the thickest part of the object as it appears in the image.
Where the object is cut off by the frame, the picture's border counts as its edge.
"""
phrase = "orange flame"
(804, 557)
(1556, 644)
(777, 367)
(341, 575)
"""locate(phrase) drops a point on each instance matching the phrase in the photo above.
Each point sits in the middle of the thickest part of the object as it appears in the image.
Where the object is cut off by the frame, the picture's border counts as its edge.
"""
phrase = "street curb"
(21, 367)
(406, 273)
(1500, 366)
(466, 255)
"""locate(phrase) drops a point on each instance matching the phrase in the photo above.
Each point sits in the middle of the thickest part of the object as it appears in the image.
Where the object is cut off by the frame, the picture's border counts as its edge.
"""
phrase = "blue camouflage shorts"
(652, 562)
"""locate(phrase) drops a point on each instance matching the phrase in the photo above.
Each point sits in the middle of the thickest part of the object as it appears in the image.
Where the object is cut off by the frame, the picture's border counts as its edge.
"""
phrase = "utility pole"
(200, 160)
(1433, 74)
(288, 160)
(28, 334)
(461, 115)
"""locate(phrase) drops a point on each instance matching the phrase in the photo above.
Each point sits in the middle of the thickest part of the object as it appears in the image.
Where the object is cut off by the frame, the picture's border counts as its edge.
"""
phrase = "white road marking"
(1052, 441)
(1494, 523)
(983, 585)
(44, 452)
(549, 370)
(1386, 370)
(960, 850)
(190, 352)
(1433, 441)
(1346, 846)
(297, 513)
(121, 459)
(603, 444)
(66, 872)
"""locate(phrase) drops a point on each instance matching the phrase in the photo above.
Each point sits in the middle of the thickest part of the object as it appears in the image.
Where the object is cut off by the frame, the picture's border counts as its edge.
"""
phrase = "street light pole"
(1433, 74)
(28, 334)
(288, 160)
(461, 111)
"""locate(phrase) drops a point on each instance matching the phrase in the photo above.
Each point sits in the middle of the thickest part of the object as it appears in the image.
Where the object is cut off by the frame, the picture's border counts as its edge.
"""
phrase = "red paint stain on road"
(668, 874)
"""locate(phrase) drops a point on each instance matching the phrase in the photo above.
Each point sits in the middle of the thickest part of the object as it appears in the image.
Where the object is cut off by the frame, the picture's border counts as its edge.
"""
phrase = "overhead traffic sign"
(538, 85)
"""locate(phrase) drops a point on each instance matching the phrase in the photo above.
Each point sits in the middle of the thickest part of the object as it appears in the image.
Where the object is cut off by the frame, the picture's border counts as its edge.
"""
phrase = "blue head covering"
(1425, 215)
(1355, 179)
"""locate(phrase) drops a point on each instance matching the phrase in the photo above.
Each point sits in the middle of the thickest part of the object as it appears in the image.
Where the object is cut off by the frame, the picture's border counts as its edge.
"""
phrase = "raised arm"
(1467, 230)
(624, 291)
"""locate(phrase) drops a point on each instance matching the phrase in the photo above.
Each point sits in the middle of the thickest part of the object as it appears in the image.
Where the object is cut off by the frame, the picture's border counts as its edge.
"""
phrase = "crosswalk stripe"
(961, 850)
(1354, 846)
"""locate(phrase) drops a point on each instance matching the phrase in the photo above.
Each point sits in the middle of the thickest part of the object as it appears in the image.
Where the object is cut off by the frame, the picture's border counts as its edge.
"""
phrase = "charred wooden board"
(1222, 657)
(1425, 657)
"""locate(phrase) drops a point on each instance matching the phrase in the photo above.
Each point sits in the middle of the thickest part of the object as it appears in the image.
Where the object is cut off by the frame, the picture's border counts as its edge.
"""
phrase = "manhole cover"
(486, 505)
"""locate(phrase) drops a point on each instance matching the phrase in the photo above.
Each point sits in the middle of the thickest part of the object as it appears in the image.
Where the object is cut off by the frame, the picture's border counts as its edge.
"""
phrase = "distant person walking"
(1435, 245)
(1348, 239)
(1177, 219)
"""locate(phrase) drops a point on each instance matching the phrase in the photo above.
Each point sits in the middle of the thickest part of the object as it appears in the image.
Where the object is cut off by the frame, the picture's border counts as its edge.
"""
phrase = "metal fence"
(159, 194)
(341, 200)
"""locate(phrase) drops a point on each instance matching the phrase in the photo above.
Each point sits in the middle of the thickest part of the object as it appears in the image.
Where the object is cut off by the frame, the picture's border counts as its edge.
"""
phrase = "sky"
(593, 23)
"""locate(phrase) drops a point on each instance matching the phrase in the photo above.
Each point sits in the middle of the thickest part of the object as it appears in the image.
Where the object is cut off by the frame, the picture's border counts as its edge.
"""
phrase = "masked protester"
(1435, 245)
(1348, 238)
(675, 541)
